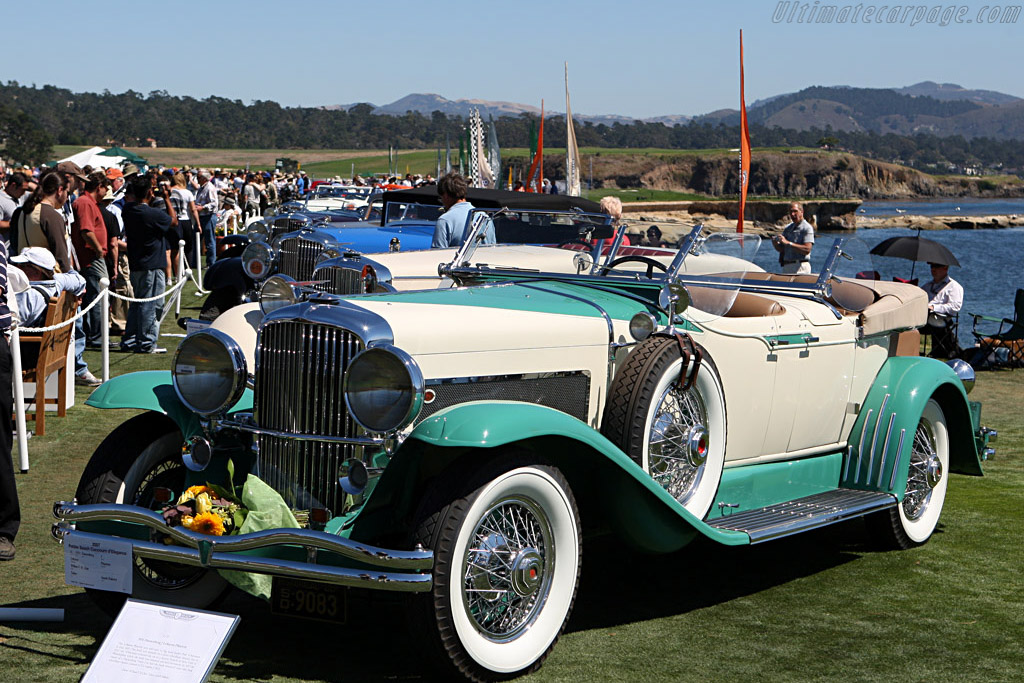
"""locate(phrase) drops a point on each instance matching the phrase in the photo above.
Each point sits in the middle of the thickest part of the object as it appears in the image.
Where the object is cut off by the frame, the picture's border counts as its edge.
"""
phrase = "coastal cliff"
(796, 174)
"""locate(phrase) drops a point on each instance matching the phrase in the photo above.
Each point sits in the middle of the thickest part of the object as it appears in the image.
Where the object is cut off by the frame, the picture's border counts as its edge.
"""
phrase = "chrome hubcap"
(678, 447)
(508, 568)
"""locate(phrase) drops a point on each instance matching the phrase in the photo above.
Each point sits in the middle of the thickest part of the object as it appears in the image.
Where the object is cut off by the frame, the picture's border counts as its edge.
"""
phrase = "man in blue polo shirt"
(453, 224)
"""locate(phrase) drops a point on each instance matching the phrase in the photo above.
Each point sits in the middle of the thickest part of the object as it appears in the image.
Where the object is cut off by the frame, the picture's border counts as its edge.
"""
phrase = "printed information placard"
(104, 563)
(153, 643)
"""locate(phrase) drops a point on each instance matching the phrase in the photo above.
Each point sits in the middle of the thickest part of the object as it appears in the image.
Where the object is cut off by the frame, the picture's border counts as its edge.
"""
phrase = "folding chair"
(944, 339)
(47, 353)
(1009, 336)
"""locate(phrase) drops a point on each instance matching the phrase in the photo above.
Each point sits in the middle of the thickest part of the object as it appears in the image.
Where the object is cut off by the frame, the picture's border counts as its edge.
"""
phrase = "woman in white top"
(184, 203)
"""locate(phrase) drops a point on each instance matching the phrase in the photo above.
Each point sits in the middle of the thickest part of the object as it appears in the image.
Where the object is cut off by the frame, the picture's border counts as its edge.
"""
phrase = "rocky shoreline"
(676, 218)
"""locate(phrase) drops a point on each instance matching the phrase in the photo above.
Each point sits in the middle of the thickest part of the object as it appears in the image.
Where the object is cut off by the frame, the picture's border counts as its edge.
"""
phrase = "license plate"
(308, 600)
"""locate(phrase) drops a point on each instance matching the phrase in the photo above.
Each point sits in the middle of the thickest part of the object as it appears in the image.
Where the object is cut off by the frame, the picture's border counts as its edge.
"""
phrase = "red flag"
(744, 146)
(533, 179)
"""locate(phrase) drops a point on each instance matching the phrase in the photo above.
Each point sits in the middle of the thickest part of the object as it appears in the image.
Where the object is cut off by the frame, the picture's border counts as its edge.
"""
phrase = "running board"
(804, 514)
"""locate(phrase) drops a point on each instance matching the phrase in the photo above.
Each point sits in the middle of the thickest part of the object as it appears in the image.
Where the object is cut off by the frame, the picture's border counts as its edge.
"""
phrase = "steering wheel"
(576, 240)
(651, 264)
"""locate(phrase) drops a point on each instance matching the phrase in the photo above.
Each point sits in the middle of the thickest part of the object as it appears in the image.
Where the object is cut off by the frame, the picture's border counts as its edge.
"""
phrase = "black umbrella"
(916, 249)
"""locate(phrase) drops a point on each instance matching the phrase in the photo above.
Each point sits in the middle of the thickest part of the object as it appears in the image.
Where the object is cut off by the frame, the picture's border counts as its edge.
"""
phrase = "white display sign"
(102, 563)
(152, 643)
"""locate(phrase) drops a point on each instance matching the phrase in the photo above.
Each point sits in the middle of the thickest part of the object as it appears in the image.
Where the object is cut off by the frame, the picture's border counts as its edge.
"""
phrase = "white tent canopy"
(91, 157)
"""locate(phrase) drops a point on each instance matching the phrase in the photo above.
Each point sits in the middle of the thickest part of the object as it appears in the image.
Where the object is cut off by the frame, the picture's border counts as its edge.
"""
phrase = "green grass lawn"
(818, 607)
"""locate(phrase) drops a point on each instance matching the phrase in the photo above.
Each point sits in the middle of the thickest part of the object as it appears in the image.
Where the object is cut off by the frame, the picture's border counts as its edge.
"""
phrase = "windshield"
(336, 192)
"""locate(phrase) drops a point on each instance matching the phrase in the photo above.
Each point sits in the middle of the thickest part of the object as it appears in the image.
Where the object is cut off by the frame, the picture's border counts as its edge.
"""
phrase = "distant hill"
(937, 108)
(952, 91)
(427, 103)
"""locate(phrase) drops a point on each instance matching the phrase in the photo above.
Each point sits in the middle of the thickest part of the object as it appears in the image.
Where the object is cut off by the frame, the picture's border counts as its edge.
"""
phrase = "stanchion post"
(181, 275)
(199, 264)
(105, 336)
(19, 398)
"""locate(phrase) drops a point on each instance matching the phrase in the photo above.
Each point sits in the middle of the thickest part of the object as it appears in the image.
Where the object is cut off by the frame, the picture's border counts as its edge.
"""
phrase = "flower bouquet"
(208, 509)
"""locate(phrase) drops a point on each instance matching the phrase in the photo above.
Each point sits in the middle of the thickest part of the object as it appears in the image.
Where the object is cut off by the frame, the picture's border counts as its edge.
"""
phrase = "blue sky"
(631, 58)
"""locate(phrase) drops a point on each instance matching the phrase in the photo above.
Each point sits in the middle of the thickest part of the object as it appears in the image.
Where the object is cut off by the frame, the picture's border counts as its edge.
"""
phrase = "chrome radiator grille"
(284, 224)
(298, 257)
(300, 370)
(337, 280)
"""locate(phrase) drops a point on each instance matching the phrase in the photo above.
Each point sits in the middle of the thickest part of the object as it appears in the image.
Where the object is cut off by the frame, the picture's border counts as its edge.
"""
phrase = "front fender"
(227, 273)
(898, 396)
(153, 390)
(635, 505)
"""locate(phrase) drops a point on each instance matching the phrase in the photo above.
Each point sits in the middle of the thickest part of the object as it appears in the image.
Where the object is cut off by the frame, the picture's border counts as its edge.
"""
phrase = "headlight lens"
(642, 325)
(277, 292)
(383, 389)
(258, 231)
(257, 260)
(209, 372)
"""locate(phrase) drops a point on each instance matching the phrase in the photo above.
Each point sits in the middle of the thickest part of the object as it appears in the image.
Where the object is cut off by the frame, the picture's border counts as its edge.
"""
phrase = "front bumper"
(406, 571)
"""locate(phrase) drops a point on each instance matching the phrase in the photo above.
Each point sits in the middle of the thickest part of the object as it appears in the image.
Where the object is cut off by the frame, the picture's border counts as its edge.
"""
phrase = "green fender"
(909, 382)
(601, 475)
(153, 390)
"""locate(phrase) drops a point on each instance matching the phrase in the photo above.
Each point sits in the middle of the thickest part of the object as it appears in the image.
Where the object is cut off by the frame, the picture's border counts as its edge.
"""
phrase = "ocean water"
(944, 207)
(990, 265)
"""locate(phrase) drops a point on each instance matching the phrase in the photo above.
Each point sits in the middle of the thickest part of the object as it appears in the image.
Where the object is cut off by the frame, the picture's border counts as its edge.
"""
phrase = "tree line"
(33, 119)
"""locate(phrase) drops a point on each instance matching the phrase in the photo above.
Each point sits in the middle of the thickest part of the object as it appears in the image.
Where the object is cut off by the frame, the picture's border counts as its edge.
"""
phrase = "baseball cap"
(113, 173)
(71, 168)
(39, 257)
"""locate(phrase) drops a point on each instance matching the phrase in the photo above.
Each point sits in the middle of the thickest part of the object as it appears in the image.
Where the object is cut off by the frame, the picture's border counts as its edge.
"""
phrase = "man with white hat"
(38, 265)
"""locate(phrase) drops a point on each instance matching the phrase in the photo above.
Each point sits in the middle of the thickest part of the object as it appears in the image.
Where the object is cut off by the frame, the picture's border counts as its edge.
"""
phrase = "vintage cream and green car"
(444, 442)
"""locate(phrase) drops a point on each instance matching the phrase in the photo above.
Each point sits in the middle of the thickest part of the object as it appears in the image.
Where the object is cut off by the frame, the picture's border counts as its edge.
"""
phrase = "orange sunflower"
(208, 523)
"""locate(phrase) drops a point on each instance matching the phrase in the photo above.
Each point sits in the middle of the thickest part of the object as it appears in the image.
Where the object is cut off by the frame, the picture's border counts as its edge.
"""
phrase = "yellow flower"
(209, 524)
(203, 503)
(187, 521)
(192, 492)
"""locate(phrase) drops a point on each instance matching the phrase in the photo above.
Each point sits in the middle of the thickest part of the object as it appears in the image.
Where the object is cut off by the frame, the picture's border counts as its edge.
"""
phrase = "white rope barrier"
(104, 297)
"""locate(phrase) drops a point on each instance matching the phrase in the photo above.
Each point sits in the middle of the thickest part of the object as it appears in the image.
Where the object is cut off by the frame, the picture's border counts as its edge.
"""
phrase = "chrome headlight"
(277, 292)
(328, 253)
(383, 389)
(258, 231)
(642, 325)
(257, 260)
(369, 276)
(209, 372)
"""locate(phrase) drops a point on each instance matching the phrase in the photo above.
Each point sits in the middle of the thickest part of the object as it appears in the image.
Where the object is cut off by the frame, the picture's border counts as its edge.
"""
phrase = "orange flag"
(744, 146)
(533, 180)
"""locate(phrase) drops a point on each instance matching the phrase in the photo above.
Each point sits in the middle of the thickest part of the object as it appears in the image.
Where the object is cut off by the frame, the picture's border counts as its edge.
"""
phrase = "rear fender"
(153, 390)
(898, 396)
(603, 478)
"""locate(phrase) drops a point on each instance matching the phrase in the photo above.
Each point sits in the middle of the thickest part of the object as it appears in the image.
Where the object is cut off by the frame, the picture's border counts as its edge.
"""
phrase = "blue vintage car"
(292, 243)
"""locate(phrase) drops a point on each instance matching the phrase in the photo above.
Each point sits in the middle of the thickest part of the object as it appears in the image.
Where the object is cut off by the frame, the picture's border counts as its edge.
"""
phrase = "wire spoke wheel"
(507, 568)
(678, 444)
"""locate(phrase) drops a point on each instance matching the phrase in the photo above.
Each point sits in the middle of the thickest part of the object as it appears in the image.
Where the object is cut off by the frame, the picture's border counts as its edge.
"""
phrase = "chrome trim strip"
(899, 454)
(516, 376)
(860, 445)
(885, 449)
(874, 439)
(341, 576)
(360, 552)
(250, 428)
(849, 461)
